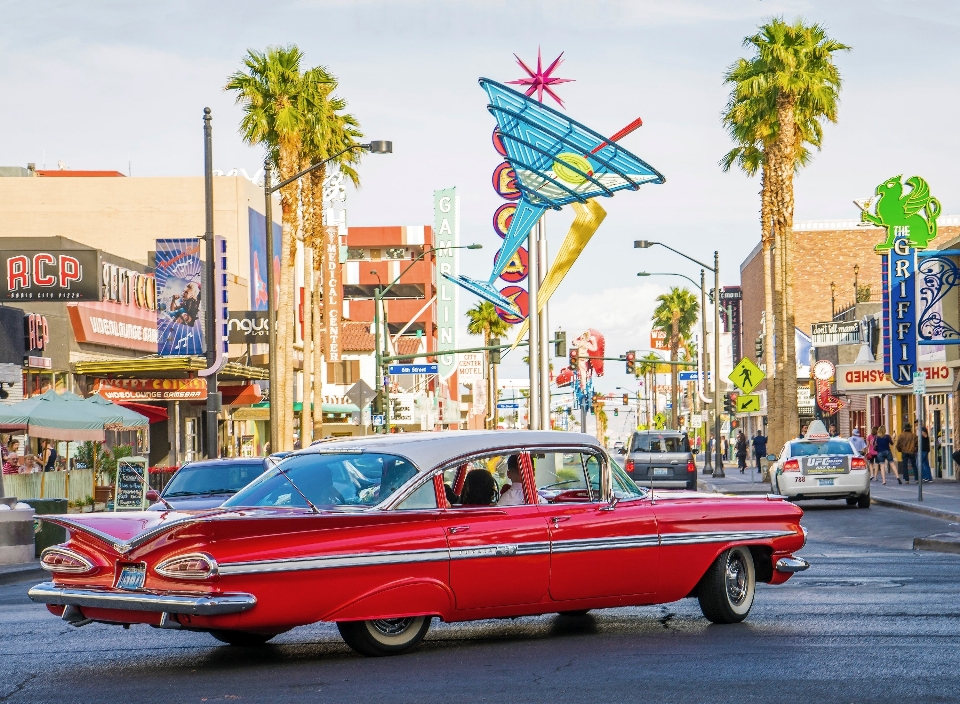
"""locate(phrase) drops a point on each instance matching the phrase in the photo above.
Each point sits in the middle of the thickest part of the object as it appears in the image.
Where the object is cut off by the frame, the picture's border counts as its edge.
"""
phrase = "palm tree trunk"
(785, 113)
(286, 308)
(769, 319)
(306, 413)
(674, 349)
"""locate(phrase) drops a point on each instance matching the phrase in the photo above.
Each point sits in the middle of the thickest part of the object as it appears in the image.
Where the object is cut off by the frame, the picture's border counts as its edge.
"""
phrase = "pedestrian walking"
(857, 442)
(884, 446)
(872, 453)
(741, 447)
(759, 447)
(907, 447)
(925, 455)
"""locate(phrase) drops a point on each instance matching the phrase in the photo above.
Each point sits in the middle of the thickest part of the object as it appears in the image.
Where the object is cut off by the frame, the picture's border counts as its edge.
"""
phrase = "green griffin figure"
(894, 210)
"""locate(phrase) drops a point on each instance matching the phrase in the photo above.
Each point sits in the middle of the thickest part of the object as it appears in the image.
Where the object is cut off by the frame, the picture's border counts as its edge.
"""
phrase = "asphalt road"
(872, 620)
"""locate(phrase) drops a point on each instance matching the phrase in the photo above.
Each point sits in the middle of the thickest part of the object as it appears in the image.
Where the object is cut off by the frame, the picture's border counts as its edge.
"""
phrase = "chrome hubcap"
(392, 626)
(736, 578)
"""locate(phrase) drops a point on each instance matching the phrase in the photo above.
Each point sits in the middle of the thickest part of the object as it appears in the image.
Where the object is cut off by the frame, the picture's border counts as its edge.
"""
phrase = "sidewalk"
(22, 572)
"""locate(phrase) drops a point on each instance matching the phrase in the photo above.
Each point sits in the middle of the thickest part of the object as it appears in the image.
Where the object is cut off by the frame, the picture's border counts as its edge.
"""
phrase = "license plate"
(660, 471)
(824, 482)
(131, 577)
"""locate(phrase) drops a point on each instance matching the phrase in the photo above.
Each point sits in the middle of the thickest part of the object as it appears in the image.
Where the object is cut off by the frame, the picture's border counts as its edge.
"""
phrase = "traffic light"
(758, 347)
(494, 354)
(573, 357)
(632, 362)
(626, 399)
(730, 403)
(616, 411)
(560, 343)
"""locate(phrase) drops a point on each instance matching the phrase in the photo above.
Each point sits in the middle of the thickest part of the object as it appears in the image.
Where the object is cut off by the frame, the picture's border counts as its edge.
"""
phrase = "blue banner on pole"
(179, 297)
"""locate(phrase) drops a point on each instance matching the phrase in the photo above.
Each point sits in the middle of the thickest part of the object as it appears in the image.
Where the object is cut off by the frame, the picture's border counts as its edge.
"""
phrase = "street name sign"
(746, 376)
(692, 376)
(508, 405)
(414, 368)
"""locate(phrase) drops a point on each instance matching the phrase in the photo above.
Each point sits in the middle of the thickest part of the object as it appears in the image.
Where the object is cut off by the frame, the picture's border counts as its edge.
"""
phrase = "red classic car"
(382, 534)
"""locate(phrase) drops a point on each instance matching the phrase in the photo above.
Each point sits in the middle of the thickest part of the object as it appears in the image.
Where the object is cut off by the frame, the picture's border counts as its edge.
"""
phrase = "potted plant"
(87, 504)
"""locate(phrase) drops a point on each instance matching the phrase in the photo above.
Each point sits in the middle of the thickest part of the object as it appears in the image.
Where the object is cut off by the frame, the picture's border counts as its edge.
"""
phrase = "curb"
(761, 489)
(914, 508)
(11, 574)
(940, 542)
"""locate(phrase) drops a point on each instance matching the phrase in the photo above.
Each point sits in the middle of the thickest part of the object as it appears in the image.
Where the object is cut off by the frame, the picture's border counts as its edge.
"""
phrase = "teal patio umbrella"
(56, 416)
(129, 419)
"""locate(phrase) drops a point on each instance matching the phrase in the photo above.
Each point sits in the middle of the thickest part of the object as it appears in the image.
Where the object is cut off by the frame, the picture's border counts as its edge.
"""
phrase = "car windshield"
(660, 443)
(623, 486)
(212, 478)
(327, 480)
(805, 448)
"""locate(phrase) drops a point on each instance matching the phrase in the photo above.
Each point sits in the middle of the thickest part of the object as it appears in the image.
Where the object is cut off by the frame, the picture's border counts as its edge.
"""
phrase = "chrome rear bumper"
(197, 605)
(791, 564)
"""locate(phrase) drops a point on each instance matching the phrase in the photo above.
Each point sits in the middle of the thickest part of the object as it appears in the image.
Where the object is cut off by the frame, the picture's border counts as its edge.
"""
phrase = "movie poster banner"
(178, 274)
(259, 259)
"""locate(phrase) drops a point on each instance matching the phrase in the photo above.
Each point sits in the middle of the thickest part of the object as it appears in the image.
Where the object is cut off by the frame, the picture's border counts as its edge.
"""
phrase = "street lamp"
(377, 303)
(374, 147)
(669, 273)
(646, 244)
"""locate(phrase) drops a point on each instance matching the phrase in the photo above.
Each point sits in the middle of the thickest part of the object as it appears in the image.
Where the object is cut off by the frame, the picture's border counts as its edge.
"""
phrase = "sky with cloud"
(104, 85)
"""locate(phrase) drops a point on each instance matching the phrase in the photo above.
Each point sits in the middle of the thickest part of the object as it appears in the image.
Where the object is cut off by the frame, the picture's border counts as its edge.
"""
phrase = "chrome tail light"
(791, 466)
(65, 561)
(193, 566)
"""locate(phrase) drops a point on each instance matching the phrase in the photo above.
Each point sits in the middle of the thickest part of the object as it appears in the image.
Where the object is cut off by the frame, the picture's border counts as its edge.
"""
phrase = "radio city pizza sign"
(865, 378)
(65, 275)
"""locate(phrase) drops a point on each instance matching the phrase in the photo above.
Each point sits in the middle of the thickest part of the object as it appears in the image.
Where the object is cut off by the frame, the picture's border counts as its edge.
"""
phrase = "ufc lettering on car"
(900, 309)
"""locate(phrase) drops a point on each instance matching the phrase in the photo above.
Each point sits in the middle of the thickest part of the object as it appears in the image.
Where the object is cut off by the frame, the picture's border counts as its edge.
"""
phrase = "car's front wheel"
(727, 589)
(385, 636)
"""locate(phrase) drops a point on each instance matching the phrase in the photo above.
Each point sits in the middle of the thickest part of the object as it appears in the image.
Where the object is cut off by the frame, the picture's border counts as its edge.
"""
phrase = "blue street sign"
(668, 405)
(378, 419)
(691, 376)
(414, 368)
(508, 405)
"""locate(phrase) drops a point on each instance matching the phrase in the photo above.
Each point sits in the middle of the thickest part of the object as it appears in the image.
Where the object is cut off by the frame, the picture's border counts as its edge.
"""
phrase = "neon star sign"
(539, 81)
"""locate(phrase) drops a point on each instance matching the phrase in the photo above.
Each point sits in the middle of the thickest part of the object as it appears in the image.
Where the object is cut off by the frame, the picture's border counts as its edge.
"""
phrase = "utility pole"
(533, 351)
(211, 434)
(544, 336)
(718, 466)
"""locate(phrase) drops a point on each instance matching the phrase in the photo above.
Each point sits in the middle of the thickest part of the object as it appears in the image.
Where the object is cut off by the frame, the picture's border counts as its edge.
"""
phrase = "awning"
(155, 414)
(244, 395)
(157, 366)
(329, 407)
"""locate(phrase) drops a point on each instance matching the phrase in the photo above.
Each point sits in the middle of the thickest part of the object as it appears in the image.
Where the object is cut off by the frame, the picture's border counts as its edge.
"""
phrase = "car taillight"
(691, 467)
(629, 466)
(65, 561)
(791, 466)
(858, 463)
(194, 566)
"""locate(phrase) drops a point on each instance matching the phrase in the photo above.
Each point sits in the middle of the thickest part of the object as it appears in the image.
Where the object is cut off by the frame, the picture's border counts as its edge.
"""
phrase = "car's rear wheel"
(243, 639)
(386, 636)
(863, 501)
(852, 501)
(727, 589)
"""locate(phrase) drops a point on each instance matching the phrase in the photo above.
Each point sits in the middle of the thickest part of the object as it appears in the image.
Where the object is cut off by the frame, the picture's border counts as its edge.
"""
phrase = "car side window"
(567, 477)
(425, 497)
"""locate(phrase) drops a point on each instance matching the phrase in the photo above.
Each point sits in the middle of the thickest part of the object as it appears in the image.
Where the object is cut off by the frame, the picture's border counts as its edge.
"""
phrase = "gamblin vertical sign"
(446, 236)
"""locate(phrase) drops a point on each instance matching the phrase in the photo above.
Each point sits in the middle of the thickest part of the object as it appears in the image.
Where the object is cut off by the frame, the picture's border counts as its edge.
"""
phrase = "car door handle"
(458, 529)
(557, 519)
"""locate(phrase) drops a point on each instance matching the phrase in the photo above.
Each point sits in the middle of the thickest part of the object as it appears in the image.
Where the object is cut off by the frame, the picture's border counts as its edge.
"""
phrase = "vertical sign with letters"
(446, 236)
(332, 286)
(900, 305)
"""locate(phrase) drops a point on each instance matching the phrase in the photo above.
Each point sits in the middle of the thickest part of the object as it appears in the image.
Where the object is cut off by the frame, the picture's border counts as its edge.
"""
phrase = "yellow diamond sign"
(746, 376)
(748, 403)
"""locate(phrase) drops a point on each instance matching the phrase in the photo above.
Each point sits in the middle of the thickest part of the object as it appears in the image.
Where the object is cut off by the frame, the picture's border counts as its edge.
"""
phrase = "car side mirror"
(153, 495)
(614, 500)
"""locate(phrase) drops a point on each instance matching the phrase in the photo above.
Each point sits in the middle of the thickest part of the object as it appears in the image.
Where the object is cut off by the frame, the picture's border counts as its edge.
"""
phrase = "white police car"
(821, 467)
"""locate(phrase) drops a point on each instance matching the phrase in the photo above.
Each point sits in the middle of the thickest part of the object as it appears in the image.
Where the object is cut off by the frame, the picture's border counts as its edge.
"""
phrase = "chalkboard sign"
(131, 486)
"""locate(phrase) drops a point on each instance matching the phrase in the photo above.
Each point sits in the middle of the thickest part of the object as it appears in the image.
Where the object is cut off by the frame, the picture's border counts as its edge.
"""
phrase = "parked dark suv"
(208, 483)
(661, 458)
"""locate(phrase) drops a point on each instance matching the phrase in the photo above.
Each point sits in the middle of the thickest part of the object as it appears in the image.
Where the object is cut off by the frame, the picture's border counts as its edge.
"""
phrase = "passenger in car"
(479, 489)
(513, 494)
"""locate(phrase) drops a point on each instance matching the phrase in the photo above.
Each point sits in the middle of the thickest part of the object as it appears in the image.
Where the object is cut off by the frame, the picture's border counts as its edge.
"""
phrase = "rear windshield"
(805, 448)
(219, 478)
(660, 443)
(328, 480)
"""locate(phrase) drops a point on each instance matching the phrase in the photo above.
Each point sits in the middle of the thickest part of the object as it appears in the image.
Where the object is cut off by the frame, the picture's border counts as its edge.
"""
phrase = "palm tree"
(648, 367)
(276, 101)
(676, 314)
(779, 99)
(483, 320)
(328, 132)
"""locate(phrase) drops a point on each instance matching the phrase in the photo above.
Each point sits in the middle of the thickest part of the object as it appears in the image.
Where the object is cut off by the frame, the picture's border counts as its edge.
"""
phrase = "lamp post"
(833, 300)
(374, 147)
(211, 434)
(646, 244)
(377, 303)
(856, 284)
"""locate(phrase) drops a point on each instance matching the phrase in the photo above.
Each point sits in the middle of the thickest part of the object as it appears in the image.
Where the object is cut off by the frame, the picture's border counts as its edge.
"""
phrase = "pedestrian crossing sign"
(748, 403)
(746, 376)
(660, 421)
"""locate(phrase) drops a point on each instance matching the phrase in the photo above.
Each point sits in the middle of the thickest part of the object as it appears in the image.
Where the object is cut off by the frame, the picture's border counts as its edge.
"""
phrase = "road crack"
(19, 687)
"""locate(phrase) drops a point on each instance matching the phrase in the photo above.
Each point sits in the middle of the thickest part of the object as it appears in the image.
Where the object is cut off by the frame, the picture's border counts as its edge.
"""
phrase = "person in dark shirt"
(884, 447)
(759, 447)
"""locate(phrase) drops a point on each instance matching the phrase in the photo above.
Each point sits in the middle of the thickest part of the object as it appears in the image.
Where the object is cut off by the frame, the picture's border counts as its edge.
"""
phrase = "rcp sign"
(51, 276)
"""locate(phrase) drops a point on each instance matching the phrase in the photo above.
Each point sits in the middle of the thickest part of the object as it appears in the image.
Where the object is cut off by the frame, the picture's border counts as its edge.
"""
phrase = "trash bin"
(48, 534)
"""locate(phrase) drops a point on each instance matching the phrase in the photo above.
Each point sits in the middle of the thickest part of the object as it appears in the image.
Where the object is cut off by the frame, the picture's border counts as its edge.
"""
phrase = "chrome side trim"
(791, 565)
(196, 604)
(333, 561)
(720, 536)
(619, 543)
